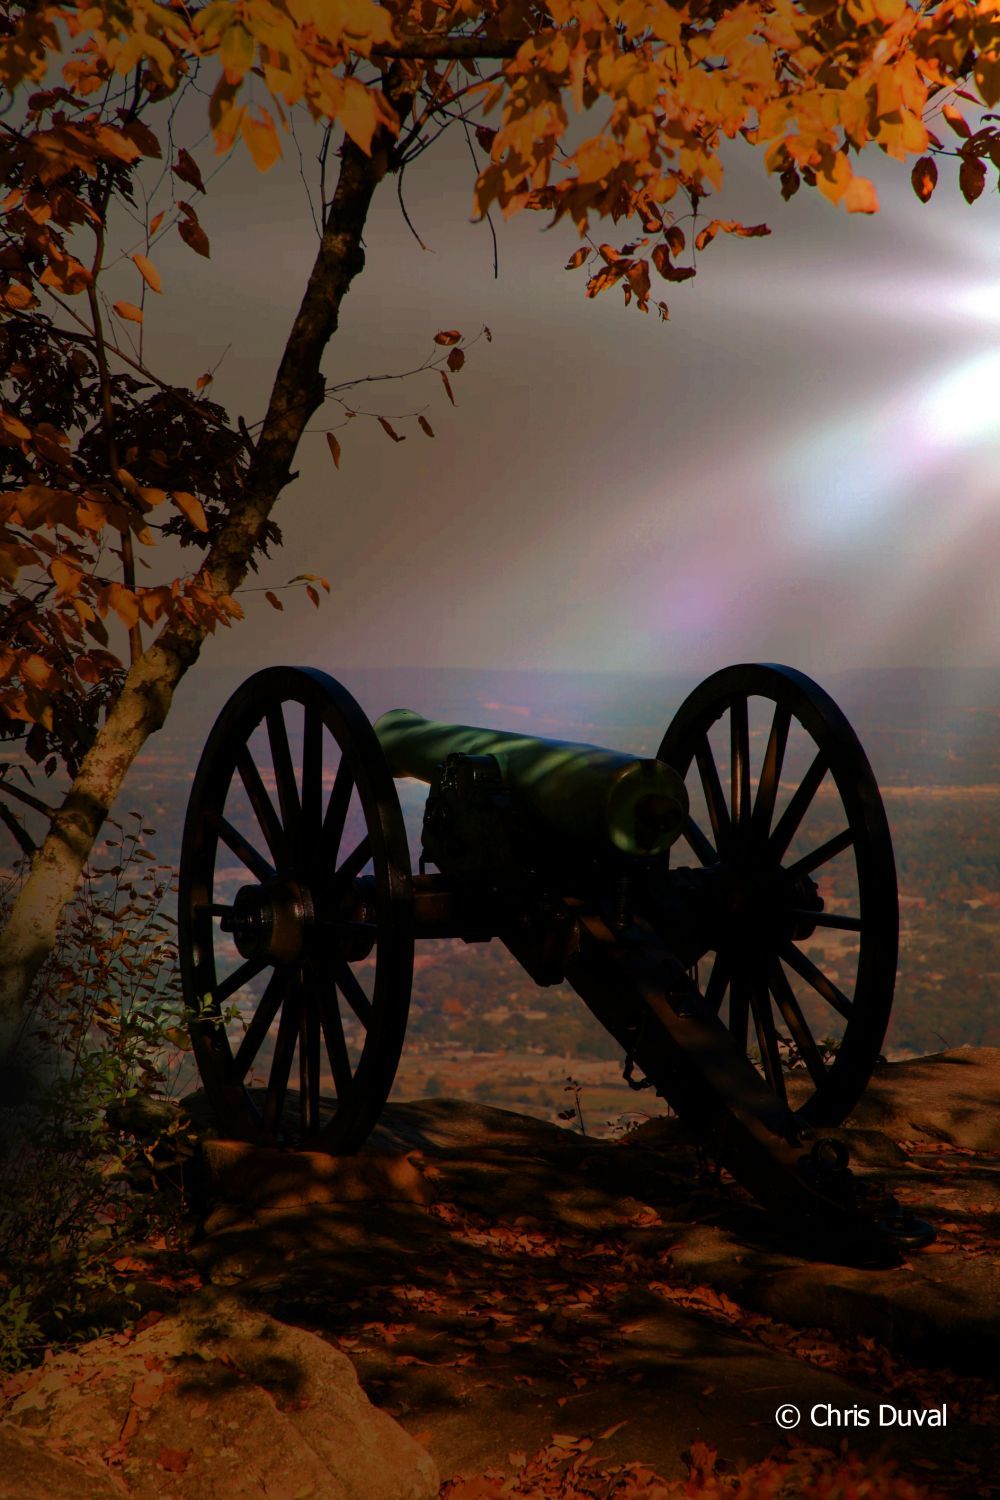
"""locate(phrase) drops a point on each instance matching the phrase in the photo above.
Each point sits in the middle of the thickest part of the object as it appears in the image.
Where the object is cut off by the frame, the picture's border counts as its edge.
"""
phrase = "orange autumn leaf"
(18, 296)
(358, 113)
(860, 196)
(273, 599)
(387, 426)
(447, 336)
(971, 178)
(65, 576)
(956, 120)
(36, 669)
(261, 139)
(128, 311)
(426, 426)
(148, 272)
(924, 177)
(334, 447)
(191, 507)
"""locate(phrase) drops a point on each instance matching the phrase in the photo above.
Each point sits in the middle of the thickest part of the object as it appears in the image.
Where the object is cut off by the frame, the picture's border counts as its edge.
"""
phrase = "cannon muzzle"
(585, 796)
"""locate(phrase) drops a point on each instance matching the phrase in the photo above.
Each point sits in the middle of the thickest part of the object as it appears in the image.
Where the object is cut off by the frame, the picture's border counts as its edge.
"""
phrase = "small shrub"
(81, 1183)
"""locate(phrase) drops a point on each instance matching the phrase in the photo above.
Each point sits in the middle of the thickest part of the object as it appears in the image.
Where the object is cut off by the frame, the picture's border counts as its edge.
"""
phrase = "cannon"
(727, 909)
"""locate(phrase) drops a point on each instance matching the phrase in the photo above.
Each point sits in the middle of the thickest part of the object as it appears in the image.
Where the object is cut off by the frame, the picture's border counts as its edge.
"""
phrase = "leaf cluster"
(90, 449)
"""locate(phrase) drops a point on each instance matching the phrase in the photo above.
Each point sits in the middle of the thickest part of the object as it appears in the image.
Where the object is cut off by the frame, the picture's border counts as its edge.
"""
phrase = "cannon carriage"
(677, 895)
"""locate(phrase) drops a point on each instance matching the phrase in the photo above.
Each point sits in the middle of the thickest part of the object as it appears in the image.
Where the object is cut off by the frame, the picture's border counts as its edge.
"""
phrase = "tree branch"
(448, 48)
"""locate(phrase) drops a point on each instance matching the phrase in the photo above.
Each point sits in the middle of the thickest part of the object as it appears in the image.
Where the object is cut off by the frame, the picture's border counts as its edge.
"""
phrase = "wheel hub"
(757, 904)
(272, 920)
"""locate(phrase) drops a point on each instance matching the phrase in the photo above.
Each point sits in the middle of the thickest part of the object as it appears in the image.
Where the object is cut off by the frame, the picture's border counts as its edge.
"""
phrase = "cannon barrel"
(583, 794)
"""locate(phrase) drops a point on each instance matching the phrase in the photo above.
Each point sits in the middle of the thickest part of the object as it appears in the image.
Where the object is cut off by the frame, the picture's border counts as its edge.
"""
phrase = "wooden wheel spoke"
(281, 1064)
(770, 775)
(797, 960)
(260, 1024)
(309, 1029)
(352, 992)
(262, 805)
(218, 909)
(700, 843)
(715, 989)
(739, 761)
(826, 919)
(714, 796)
(355, 861)
(284, 772)
(336, 1044)
(793, 814)
(767, 1036)
(240, 846)
(796, 1023)
(739, 1009)
(238, 978)
(336, 810)
(312, 779)
(820, 856)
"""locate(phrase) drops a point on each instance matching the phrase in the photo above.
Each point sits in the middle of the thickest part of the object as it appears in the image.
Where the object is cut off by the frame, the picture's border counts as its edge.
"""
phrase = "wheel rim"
(295, 914)
(800, 868)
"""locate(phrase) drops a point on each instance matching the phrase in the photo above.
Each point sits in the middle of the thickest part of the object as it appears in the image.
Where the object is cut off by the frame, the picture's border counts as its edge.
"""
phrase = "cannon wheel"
(772, 902)
(304, 918)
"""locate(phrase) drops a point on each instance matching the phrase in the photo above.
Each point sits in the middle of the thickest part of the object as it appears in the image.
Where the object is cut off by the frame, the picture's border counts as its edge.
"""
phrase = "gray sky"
(802, 465)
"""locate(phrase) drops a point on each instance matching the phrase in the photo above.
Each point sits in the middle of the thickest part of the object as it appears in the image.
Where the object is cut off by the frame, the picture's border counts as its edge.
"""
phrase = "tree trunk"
(142, 706)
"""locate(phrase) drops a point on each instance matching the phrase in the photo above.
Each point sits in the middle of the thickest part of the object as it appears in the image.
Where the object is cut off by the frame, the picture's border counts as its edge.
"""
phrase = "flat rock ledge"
(496, 1279)
(216, 1400)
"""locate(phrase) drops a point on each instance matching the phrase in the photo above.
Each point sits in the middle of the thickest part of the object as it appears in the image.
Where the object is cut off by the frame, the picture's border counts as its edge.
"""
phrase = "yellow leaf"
(358, 114)
(192, 508)
(17, 296)
(157, 221)
(334, 449)
(595, 159)
(262, 140)
(66, 578)
(124, 604)
(987, 76)
(149, 273)
(860, 196)
(129, 312)
(36, 669)
(236, 52)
